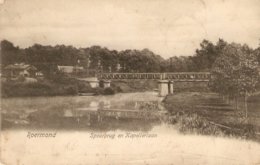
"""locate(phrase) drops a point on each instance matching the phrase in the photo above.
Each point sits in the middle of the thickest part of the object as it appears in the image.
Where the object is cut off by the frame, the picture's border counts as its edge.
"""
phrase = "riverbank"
(207, 113)
(45, 87)
(65, 86)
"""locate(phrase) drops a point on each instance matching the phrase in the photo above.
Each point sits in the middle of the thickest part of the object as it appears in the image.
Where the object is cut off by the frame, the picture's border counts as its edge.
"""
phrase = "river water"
(81, 112)
(157, 144)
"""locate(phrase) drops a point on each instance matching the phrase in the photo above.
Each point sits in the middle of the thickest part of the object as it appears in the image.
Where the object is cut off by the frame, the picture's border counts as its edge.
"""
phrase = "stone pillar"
(106, 83)
(171, 84)
(94, 83)
(163, 87)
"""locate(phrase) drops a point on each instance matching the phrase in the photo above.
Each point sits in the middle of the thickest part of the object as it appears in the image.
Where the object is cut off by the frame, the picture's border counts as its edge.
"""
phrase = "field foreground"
(167, 147)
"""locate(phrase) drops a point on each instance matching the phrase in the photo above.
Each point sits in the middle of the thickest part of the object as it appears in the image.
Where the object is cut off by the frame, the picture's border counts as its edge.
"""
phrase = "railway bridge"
(166, 81)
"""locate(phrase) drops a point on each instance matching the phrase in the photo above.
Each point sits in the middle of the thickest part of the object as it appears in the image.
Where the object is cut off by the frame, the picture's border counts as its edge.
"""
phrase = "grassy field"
(208, 113)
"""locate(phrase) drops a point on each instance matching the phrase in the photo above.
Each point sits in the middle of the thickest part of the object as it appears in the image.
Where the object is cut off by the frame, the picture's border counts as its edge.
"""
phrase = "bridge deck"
(180, 76)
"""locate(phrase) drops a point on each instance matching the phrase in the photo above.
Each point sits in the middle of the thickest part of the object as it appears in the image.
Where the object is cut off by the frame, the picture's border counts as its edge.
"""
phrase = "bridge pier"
(163, 87)
(94, 83)
(170, 87)
(106, 83)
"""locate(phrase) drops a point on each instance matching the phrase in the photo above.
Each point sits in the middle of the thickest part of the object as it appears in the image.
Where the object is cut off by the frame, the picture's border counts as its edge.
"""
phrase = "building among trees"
(70, 69)
(16, 70)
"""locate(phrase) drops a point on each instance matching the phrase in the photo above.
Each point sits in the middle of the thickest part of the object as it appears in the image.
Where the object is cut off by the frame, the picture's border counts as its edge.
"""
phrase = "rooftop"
(20, 66)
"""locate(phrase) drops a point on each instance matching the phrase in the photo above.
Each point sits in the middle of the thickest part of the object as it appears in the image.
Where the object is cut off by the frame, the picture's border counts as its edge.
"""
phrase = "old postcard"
(140, 82)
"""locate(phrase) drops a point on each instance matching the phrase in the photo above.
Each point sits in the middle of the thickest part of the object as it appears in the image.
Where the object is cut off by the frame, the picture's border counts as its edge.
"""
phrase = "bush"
(84, 87)
(118, 89)
(21, 78)
(192, 123)
(109, 91)
(18, 89)
(39, 85)
(72, 90)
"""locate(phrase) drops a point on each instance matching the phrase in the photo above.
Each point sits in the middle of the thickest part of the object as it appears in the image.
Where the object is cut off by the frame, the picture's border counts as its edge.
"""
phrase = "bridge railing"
(203, 76)
(188, 76)
(129, 75)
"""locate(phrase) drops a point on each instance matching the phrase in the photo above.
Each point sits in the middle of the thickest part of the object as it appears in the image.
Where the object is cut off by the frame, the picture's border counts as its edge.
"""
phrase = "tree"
(257, 53)
(139, 61)
(249, 74)
(44, 58)
(235, 72)
(207, 54)
(9, 53)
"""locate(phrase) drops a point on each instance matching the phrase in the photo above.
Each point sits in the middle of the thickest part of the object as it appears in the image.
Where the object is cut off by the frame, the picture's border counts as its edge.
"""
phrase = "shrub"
(118, 89)
(84, 87)
(109, 91)
(192, 123)
(72, 90)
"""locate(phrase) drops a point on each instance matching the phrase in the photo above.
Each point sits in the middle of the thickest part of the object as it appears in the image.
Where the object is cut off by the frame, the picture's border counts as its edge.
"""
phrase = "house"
(70, 69)
(16, 70)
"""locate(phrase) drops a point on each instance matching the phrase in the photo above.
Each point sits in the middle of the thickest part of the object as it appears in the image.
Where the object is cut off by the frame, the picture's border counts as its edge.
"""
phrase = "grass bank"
(127, 86)
(207, 113)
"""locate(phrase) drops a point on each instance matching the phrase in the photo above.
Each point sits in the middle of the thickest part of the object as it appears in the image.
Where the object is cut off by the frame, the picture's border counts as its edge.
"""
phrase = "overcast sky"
(167, 27)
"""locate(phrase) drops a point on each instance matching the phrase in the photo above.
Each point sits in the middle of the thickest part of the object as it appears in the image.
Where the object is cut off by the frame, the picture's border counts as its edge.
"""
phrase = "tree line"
(46, 58)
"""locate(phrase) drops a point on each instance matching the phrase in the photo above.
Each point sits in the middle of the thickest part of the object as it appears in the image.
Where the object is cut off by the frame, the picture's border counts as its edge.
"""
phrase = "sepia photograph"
(130, 82)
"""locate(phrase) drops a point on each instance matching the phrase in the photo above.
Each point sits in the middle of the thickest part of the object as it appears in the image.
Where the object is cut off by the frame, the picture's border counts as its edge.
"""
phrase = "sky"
(167, 27)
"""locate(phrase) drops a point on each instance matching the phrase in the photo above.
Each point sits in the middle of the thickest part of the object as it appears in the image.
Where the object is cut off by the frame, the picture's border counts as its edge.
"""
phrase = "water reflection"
(121, 111)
